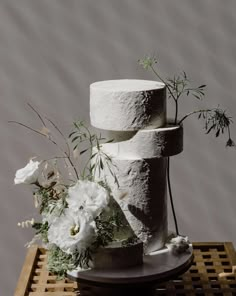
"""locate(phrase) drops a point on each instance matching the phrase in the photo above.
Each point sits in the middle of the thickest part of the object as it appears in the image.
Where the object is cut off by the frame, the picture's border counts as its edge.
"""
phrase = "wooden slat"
(211, 259)
(26, 272)
(230, 250)
(51, 294)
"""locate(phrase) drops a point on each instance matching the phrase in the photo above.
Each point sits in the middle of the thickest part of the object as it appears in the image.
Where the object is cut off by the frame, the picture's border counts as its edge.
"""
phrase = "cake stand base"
(115, 290)
(157, 267)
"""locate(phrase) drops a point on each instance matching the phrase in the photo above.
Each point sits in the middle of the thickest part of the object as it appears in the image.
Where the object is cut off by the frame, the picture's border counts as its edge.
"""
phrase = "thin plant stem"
(37, 113)
(168, 159)
(60, 132)
(167, 86)
(229, 132)
(51, 140)
(176, 111)
(67, 154)
(170, 91)
(171, 197)
(32, 129)
(194, 112)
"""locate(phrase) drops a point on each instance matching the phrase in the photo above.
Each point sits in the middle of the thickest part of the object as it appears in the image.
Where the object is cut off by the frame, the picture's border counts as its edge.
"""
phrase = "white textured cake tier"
(149, 143)
(127, 104)
(142, 197)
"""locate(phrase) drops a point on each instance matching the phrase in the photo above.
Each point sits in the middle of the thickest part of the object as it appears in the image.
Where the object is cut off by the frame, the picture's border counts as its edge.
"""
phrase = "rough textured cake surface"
(134, 112)
(127, 104)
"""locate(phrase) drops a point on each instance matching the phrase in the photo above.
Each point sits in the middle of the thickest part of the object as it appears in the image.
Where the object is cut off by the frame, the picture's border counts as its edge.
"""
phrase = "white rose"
(89, 196)
(28, 174)
(72, 231)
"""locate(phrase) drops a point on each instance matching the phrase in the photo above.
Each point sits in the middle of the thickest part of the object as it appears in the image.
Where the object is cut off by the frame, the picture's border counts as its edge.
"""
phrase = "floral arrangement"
(79, 215)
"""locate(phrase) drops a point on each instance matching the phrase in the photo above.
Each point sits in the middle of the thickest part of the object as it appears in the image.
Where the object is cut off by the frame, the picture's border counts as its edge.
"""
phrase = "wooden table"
(212, 273)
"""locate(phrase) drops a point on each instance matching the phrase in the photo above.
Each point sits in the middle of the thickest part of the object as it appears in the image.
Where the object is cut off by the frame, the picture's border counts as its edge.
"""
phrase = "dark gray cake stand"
(157, 267)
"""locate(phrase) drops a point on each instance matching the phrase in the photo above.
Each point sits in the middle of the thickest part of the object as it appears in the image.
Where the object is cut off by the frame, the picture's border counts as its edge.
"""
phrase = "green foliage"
(109, 224)
(82, 259)
(42, 229)
(59, 262)
(147, 62)
(105, 232)
(51, 200)
(180, 85)
(216, 119)
(86, 142)
(130, 241)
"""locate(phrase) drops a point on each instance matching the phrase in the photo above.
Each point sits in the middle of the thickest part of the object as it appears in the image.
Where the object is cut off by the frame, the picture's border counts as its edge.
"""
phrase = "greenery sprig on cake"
(216, 120)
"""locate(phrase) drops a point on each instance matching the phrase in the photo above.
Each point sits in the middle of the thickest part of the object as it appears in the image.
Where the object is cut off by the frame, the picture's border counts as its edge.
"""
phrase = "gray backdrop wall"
(50, 51)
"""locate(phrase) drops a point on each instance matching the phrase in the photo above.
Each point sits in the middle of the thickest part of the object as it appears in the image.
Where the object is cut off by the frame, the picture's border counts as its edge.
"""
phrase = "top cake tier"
(127, 104)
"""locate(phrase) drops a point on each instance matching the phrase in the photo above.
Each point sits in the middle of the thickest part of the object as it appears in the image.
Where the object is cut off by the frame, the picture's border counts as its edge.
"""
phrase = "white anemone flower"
(89, 196)
(72, 231)
(29, 174)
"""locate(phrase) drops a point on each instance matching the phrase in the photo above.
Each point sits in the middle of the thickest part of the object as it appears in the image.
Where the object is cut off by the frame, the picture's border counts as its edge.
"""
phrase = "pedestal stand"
(157, 267)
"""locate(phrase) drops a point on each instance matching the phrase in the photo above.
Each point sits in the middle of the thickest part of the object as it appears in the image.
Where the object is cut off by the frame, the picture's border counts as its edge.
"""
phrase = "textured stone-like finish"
(134, 111)
(142, 196)
(150, 143)
(127, 104)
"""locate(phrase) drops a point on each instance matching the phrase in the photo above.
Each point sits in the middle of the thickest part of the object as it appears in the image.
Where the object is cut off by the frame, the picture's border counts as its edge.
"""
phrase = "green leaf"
(211, 128)
(98, 146)
(72, 133)
(196, 96)
(83, 151)
(75, 138)
(93, 155)
(92, 167)
(109, 141)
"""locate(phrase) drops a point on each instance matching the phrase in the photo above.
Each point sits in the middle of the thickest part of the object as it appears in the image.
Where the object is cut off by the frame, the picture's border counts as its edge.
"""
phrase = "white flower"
(178, 244)
(28, 174)
(89, 196)
(72, 231)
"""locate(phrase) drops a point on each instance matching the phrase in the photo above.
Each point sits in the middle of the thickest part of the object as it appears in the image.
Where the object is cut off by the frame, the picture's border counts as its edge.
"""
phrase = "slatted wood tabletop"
(212, 273)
